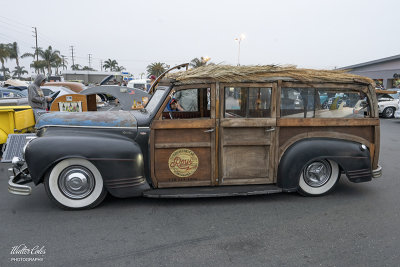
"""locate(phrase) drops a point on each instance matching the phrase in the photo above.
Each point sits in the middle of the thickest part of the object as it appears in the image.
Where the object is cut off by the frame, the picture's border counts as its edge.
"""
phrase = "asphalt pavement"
(356, 225)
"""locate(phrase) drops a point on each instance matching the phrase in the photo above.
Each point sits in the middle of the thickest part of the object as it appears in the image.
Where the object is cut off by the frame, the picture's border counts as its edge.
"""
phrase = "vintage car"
(387, 105)
(237, 133)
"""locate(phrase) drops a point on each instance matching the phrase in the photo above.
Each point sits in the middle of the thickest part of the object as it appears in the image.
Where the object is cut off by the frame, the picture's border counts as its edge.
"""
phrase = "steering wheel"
(53, 97)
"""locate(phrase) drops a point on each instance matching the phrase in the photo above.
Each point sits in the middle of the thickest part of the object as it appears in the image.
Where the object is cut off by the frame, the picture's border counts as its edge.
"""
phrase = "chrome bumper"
(16, 184)
(377, 172)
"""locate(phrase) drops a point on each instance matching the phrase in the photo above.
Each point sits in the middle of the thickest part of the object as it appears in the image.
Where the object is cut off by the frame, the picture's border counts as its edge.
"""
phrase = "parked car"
(74, 86)
(387, 105)
(15, 119)
(12, 93)
(219, 144)
(50, 89)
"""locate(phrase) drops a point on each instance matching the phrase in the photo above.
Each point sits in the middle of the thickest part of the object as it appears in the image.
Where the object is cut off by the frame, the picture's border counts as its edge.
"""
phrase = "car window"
(322, 103)
(247, 102)
(189, 104)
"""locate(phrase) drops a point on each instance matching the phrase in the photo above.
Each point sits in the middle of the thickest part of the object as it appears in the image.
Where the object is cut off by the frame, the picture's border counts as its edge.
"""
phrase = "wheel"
(388, 112)
(318, 177)
(75, 183)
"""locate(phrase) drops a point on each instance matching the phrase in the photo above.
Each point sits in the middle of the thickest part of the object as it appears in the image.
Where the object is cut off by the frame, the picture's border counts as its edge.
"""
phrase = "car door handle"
(210, 130)
(270, 130)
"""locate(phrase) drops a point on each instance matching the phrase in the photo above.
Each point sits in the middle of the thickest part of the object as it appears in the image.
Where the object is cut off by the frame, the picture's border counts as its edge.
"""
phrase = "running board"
(212, 191)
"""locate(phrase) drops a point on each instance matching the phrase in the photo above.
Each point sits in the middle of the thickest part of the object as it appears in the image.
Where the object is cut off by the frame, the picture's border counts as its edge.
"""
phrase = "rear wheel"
(388, 112)
(75, 184)
(318, 177)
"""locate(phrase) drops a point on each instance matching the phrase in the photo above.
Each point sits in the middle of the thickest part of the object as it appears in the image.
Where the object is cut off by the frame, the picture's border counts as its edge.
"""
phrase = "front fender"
(117, 159)
(350, 156)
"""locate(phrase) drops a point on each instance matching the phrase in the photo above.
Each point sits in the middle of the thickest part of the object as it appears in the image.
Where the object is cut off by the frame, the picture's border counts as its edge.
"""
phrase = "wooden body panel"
(241, 151)
(171, 135)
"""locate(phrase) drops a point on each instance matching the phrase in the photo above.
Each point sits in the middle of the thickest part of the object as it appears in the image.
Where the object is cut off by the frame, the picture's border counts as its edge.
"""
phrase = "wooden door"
(247, 133)
(183, 147)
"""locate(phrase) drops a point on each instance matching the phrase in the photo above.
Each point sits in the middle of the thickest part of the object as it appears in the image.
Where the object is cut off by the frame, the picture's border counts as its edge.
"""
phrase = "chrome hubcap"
(76, 182)
(317, 173)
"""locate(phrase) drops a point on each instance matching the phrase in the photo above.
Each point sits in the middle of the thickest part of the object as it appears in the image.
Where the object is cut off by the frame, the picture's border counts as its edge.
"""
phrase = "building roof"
(226, 73)
(368, 63)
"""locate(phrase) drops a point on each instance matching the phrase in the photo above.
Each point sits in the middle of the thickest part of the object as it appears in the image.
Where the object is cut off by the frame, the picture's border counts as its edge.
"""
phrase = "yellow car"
(15, 119)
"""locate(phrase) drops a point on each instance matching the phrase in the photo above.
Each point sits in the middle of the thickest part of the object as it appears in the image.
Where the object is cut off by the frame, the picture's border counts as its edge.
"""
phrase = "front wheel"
(388, 112)
(318, 177)
(75, 183)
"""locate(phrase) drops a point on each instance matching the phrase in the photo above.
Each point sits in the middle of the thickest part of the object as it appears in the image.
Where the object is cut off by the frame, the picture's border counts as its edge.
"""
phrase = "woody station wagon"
(241, 130)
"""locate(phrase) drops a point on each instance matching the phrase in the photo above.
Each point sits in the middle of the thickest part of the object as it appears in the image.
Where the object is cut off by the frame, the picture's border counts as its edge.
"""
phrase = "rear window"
(323, 103)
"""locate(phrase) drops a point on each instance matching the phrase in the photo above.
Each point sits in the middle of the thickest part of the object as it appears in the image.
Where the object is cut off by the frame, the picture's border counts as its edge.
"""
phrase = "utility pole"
(36, 51)
(72, 51)
(101, 64)
(63, 59)
(90, 55)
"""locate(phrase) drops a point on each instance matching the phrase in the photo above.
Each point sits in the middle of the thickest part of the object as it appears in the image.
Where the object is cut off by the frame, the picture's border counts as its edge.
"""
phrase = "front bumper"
(377, 172)
(18, 179)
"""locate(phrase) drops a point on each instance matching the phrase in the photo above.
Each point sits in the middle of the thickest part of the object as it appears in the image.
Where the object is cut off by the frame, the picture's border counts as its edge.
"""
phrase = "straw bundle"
(226, 73)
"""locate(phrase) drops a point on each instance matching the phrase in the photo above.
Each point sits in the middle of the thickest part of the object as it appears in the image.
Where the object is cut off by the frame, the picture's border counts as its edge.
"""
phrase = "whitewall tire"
(75, 183)
(318, 177)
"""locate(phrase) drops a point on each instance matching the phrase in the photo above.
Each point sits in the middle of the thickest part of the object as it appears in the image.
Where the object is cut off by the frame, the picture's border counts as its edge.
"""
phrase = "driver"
(36, 98)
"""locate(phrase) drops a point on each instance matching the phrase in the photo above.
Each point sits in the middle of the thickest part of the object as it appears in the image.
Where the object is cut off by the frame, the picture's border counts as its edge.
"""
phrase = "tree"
(50, 56)
(196, 62)
(76, 67)
(35, 64)
(119, 68)
(33, 55)
(39, 66)
(88, 68)
(14, 52)
(64, 62)
(110, 64)
(18, 71)
(4, 55)
(6, 72)
(156, 69)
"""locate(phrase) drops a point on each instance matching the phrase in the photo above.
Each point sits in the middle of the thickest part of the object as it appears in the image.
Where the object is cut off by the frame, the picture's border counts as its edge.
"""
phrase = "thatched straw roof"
(226, 73)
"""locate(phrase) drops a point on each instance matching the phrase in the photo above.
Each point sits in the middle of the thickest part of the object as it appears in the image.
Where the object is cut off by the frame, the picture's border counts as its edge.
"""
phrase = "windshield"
(155, 100)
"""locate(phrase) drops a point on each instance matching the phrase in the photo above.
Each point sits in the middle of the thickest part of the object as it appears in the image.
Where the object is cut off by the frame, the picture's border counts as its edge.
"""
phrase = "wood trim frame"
(295, 122)
(362, 88)
(199, 123)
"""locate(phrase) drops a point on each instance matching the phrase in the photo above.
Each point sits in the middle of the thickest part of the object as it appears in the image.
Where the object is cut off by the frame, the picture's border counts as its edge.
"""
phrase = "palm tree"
(34, 55)
(64, 62)
(119, 68)
(14, 52)
(57, 64)
(50, 56)
(76, 67)
(6, 72)
(88, 68)
(110, 64)
(4, 55)
(18, 71)
(196, 62)
(39, 66)
(156, 69)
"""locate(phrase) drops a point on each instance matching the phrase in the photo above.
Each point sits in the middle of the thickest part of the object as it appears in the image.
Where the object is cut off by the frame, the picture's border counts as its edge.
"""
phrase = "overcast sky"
(307, 33)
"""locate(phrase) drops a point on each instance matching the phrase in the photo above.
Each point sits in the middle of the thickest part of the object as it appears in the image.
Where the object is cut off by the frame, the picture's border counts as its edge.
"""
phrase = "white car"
(387, 105)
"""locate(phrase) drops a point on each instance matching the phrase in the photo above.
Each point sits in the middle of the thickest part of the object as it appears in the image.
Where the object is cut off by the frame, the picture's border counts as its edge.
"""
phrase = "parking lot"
(356, 225)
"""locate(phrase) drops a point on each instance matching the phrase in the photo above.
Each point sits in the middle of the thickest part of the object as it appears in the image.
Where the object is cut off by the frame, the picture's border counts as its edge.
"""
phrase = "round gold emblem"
(183, 162)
